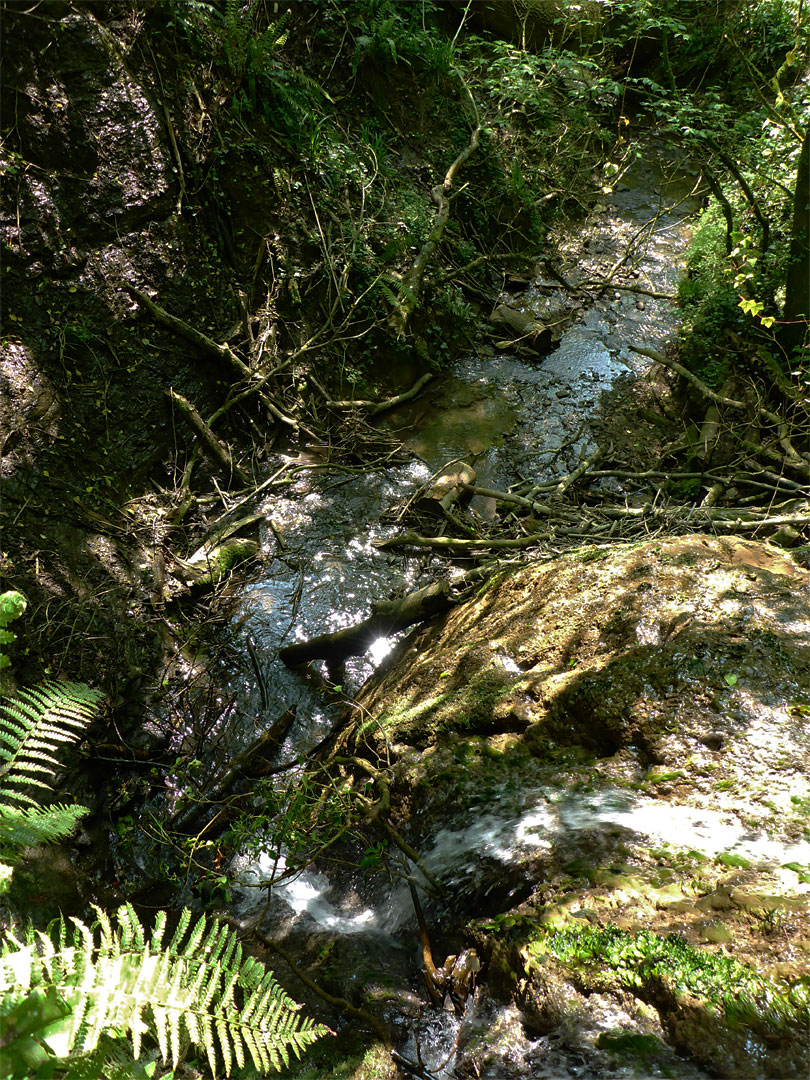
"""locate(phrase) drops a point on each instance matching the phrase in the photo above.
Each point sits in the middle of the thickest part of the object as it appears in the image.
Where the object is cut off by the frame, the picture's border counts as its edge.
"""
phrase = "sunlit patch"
(304, 894)
(380, 649)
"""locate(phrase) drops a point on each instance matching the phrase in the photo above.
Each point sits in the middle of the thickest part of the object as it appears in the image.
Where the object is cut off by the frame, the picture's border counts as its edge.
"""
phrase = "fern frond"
(22, 827)
(112, 980)
(34, 724)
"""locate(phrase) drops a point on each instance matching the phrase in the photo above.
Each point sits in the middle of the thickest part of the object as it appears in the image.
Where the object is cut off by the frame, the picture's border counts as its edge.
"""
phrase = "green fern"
(79, 1000)
(34, 724)
(84, 986)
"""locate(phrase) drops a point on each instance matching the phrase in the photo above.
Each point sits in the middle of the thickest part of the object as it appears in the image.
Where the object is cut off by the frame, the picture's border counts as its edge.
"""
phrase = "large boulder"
(604, 758)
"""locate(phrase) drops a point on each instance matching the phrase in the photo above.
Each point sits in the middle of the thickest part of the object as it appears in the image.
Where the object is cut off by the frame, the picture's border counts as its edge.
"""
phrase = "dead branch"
(412, 282)
(387, 618)
(215, 450)
(509, 497)
(793, 458)
(450, 543)
(376, 407)
(685, 373)
(206, 344)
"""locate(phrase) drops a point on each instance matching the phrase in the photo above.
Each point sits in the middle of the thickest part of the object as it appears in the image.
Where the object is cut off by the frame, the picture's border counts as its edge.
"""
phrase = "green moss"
(629, 1044)
(468, 708)
(613, 959)
(727, 858)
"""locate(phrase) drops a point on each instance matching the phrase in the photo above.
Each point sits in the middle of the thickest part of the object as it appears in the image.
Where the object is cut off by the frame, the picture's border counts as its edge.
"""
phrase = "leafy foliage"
(77, 994)
(12, 605)
(34, 724)
(67, 991)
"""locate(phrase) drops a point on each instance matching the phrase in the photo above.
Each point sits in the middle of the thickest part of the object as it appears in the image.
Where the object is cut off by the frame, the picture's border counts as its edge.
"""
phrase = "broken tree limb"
(583, 467)
(450, 543)
(412, 282)
(377, 407)
(387, 618)
(793, 458)
(210, 347)
(509, 497)
(216, 452)
(685, 373)
(184, 329)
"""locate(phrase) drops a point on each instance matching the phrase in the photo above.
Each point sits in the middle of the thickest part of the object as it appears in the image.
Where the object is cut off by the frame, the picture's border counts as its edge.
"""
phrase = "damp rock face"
(93, 140)
(604, 758)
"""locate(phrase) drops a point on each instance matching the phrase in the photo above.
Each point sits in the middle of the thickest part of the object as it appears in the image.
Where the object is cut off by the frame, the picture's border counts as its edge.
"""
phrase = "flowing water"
(517, 419)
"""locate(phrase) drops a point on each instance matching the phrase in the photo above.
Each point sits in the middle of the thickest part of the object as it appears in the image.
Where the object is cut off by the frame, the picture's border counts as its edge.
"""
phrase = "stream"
(516, 419)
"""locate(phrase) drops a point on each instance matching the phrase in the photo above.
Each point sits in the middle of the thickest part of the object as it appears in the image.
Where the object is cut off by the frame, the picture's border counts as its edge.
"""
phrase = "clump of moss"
(609, 958)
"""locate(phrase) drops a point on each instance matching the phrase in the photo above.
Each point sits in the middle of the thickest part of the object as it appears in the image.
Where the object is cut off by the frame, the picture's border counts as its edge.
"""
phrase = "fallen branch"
(387, 618)
(793, 457)
(685, 373)
(252, 764)
(216, 452)
(184, 329)
(509, 497)
(412, 282)
(211, 348)
(578, 472)
(450, 543)
(377, 407)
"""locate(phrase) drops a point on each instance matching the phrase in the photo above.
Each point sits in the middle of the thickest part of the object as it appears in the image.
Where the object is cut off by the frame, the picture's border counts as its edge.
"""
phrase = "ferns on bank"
(111, 982)
(34, 724)
(79, 1000)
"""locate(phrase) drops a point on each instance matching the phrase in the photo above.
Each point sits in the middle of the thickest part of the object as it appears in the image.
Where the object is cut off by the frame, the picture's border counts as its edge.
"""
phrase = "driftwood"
(453, 482)
(387, 618)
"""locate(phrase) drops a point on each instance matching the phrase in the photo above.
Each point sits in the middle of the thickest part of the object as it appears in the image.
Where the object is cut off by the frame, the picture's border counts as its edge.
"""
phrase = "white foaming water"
(305, 894)
(546, 822)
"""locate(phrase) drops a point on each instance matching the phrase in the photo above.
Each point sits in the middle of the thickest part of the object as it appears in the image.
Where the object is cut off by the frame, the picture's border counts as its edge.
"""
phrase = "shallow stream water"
(517, 419)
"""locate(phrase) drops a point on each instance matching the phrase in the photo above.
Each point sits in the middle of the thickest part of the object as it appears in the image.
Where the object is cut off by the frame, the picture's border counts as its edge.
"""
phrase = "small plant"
(80, 1001)
(78, 992)
(634, 960)
(12, 606)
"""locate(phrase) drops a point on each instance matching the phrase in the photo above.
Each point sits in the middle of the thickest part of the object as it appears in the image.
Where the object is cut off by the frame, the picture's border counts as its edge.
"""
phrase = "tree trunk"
(797, 289)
